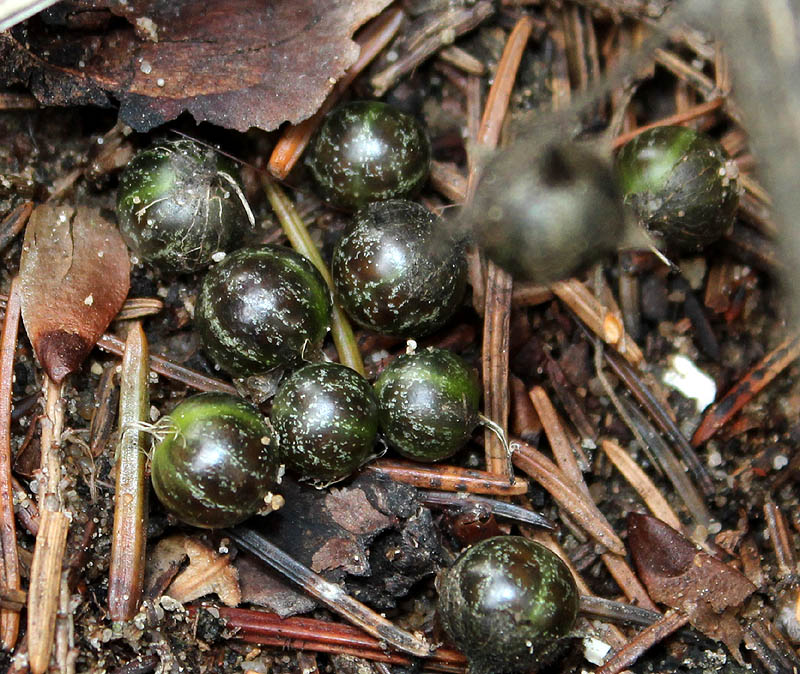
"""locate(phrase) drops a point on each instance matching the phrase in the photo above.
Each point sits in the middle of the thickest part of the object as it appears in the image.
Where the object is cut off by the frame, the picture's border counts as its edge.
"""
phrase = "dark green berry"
(507, 602)
(680, 184)
(397, 271)
(326, 418)
(262, 308)
(179, 204)
(216, 462)
(368, 151)
(547, 214)
(428, 404)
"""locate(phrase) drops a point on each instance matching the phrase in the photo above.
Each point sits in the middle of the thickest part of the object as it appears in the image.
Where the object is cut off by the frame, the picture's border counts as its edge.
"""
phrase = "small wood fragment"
(126, 573)
(14, 223)
(170, 369)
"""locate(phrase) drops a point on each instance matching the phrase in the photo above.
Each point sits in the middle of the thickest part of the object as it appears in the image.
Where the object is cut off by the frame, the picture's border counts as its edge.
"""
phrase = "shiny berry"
(397, 271)
(428, 404)
(506, 603)
(216, 462)
(680, 184)
(326, 418)
(545, 215)
(368, 151)
(179, 204)
(262, 308)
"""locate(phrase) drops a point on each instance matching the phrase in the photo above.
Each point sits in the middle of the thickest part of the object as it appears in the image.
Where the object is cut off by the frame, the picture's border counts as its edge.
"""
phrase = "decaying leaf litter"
(739, 499)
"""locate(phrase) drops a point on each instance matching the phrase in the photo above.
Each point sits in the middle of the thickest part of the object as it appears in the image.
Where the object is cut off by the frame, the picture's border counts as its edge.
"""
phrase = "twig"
(316, 635)
(45, 585)
(497, 310)
(448, 478)
(297, 233)
(329, 594)
(372, 39)
(747, 387)
(648, 637)
(9, 574)
(126, 573)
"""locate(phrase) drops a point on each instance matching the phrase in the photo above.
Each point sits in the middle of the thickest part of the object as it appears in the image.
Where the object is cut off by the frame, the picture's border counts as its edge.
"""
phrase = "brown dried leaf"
(683, 577)
(208, 573)
(238, 63)
(75, 275)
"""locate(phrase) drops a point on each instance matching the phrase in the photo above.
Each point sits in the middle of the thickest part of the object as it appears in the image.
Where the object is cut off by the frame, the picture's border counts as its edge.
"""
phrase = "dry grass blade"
(9, 573)
(74, 275)
(13, 223)
(126, 575)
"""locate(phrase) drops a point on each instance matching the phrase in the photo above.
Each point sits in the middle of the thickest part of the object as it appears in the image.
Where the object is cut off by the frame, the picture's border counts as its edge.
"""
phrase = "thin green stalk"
(297, 233)
(126, 574)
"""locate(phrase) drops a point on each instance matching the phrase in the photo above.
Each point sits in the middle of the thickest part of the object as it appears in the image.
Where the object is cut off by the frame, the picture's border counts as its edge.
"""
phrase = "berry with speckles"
(397, 271)
(217, 461)
(368, 151)
(681, 185)
(262, 308)
(508, 603)
(326, 418)
(180, 204)
(428, 404)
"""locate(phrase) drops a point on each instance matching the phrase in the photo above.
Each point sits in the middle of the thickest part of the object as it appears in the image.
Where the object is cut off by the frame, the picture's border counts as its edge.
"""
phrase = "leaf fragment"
(74, 277)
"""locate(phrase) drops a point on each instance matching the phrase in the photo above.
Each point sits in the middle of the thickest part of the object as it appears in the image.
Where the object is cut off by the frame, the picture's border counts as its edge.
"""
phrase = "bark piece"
(237, 63)
(74, 275)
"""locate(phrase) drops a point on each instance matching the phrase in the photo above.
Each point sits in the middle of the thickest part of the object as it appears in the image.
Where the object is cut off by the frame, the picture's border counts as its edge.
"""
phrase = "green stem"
(298, 235)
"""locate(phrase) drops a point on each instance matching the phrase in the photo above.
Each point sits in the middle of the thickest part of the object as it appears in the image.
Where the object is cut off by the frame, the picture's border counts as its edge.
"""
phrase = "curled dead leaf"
(74, 277)
(683, 577)
(208, 572)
